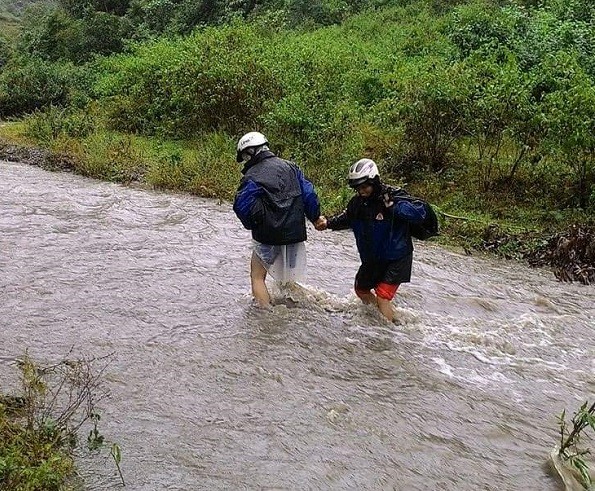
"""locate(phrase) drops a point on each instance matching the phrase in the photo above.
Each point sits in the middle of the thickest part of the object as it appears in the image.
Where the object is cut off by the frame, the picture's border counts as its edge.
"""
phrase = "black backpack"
(429, 227)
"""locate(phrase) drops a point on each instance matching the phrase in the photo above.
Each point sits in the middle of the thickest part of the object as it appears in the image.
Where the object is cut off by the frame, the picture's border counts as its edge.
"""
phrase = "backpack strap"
(429, 227)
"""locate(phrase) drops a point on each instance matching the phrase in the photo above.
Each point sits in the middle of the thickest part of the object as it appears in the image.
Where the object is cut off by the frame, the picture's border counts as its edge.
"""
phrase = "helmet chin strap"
(252, 151)
(377, 186)
(247, 154)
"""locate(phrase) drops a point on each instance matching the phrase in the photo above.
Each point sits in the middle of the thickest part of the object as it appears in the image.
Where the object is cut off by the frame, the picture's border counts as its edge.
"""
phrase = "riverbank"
(565, 245)
(41, 421)
(33, 458)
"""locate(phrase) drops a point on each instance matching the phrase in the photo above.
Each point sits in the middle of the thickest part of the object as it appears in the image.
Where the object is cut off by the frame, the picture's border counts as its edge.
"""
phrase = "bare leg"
(366, 296)
(258, 274)
(386, 308)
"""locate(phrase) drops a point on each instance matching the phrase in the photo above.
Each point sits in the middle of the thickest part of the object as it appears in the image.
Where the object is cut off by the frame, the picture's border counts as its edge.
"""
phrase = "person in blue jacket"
(381, 222)
(273, 201)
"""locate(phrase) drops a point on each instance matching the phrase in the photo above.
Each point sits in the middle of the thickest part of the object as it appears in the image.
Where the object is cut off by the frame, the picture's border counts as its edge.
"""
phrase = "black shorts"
(369, 275)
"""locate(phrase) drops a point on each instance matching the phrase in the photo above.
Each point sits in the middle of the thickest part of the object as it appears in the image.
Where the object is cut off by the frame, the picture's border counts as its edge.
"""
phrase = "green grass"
(39, 424)
(206, 167)
(9, 26)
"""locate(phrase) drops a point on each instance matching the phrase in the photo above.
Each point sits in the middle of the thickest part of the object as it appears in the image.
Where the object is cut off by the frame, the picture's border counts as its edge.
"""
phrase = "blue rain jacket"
(273, 200)
(381, 233)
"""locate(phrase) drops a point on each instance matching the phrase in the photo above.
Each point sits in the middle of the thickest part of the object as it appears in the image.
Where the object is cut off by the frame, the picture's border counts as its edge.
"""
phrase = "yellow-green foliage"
(313, 93)
(473, 93)
(9, 27)
(34, 455)
(31, 460)
(201, 167)
(218, 79)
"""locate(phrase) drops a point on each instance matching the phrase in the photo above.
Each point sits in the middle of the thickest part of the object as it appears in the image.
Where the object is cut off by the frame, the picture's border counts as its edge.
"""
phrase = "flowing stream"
(209, 393)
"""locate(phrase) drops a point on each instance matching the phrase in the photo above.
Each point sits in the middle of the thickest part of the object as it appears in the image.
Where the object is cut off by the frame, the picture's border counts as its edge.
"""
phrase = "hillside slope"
(15, 8)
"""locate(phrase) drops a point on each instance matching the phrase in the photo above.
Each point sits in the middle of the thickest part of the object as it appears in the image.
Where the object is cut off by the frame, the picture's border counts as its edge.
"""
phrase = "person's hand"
(386, 199)
(321, 223)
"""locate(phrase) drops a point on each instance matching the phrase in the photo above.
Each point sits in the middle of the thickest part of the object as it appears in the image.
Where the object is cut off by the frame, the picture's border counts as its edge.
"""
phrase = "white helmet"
(250, 140)
(363, 170)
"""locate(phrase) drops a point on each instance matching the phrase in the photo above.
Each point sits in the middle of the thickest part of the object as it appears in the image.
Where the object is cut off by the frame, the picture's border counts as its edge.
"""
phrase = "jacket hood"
(259, 157)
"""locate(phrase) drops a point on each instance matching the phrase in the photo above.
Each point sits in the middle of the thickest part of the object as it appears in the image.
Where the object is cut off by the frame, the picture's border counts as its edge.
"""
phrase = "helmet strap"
(250, 152)
(375, 182)
(247, 154)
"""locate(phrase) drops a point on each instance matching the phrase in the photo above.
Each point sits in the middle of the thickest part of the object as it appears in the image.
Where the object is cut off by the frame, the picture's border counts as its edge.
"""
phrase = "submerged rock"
(570, 477)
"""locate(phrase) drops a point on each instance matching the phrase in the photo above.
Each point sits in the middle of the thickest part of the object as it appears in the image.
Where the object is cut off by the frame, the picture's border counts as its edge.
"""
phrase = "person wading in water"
(273, 201)
(382, 219)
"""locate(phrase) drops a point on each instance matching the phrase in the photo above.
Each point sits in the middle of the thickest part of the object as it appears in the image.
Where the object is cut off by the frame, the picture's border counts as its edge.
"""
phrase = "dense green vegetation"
(39, 424)
(486, 108)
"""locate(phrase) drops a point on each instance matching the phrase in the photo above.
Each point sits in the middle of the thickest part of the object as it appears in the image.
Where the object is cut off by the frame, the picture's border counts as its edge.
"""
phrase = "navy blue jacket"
(274, 198)
(381, 233)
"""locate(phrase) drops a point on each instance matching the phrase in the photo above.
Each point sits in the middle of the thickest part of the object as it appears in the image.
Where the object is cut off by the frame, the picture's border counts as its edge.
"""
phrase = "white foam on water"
(470, 375)
(298, 295)
(500, 344)
(443, 367)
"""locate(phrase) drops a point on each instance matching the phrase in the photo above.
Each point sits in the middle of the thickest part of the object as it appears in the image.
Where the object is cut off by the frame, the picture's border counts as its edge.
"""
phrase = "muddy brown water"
(209, 393)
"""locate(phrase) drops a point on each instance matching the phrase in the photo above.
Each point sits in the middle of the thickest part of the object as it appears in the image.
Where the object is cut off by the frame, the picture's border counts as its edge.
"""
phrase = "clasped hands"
(321, 223)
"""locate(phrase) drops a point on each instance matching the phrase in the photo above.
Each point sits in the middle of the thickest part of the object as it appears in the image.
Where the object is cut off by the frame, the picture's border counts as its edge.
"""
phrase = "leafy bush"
(484, 26)
(571, 117)
(54, 34)
(502, 121)
(6, 52)
(578, 10)
(430, 102)
(317, 12)
(48, 125)
(532, 35)
(81, 8)
(217, 79)
(547, 33)
(27, 84)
